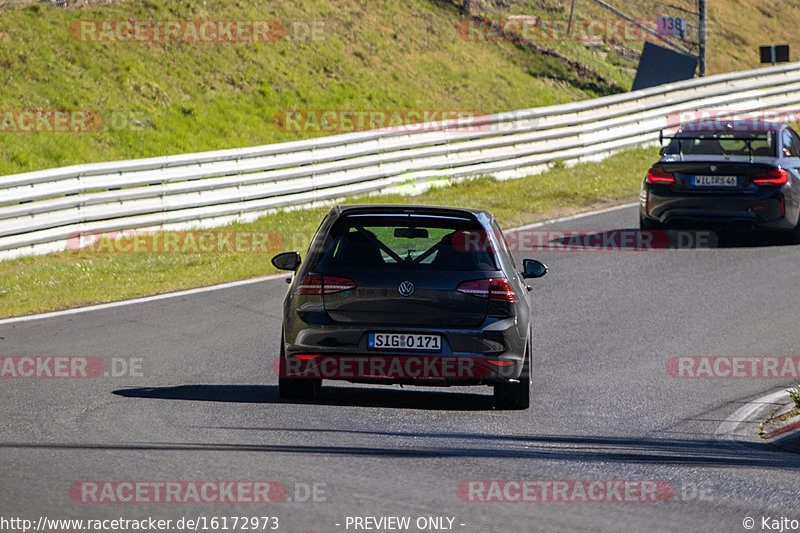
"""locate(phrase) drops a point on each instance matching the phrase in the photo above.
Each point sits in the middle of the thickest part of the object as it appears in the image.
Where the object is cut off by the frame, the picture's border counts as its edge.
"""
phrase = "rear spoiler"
(748, 138)
(407, 210)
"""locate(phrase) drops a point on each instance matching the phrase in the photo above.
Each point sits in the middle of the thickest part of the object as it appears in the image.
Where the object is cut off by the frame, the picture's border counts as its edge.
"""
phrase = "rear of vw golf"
(411, 295)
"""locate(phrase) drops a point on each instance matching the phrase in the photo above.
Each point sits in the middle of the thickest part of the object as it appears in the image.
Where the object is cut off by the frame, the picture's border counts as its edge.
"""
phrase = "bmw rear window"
(723, 143)
(413, 242)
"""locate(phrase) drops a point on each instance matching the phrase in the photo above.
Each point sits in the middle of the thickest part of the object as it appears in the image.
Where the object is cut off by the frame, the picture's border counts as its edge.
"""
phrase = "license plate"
(405, 341)
(715, 181)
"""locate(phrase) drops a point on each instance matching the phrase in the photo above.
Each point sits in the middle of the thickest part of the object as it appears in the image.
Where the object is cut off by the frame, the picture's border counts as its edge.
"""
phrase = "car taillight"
(501, 290)
(319, 284)
(657, 175)
(331, 284)
(492, 288)
(775, 176)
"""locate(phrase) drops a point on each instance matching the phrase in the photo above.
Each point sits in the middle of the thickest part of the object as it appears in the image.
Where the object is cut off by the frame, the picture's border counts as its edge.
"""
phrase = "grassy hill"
(169, 98)
(734, 28)
(185, 97)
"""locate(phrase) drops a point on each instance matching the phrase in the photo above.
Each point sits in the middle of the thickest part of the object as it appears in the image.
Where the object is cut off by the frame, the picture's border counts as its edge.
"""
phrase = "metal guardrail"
(40, 210)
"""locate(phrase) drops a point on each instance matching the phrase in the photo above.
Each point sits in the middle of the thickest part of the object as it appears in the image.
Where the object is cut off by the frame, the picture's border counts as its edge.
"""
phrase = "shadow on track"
(524, 448)
(706, 452)
(754, 239)
(343, 396)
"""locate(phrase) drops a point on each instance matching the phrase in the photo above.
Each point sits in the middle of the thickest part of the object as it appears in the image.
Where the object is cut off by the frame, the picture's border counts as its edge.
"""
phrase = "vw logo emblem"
(406, 288)
(713, 168)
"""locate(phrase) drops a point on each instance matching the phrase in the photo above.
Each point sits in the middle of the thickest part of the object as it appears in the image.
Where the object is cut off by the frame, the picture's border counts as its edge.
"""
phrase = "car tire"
(516, 395)
(299, 389)
(647, 224)
(793, 235)
(296, 388)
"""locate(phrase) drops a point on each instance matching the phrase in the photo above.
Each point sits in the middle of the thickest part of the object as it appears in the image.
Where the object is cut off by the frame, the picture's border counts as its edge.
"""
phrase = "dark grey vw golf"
(416, 295)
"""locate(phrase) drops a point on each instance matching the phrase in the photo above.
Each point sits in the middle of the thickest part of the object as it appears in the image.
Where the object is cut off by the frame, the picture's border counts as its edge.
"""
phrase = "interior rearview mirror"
(287, 261)
(411, 233)
(531, 268)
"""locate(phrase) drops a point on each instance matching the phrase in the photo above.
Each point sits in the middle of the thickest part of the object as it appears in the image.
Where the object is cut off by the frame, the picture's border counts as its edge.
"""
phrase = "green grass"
(68, 279)
(734, 29)
(160, 99)
(170, 98)
(794, 393)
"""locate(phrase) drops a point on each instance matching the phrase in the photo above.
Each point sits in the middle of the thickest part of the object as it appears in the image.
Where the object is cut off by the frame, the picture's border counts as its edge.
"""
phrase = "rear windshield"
(429, 243)
(723, 143)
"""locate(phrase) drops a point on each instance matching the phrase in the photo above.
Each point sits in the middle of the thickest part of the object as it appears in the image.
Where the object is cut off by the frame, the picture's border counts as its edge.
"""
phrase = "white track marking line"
(727, 429)
(574, 217)
(199, 290)
(143, 299)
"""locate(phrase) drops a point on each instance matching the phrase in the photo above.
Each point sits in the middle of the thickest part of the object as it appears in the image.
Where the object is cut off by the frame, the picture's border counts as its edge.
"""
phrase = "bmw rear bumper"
(767, 209)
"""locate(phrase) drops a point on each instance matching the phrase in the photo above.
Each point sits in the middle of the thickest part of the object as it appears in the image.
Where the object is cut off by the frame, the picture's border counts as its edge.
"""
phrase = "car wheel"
(296, 388)
(299, 389)
(793, 235)
(516, 395)
(646, 224)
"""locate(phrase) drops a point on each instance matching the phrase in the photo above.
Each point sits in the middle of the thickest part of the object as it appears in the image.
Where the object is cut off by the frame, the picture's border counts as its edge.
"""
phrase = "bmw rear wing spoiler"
(748, 139)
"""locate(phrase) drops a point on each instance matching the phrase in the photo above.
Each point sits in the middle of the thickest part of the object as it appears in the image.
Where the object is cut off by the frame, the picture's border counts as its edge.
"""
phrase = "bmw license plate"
(715, 181)
(405, 341)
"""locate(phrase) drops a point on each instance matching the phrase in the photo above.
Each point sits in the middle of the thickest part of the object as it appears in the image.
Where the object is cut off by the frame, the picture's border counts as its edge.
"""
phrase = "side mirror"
(662, 150)
(531, 268)
(287, 261)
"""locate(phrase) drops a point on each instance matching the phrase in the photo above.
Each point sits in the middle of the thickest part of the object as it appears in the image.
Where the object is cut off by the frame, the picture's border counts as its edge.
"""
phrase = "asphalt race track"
(204, 406)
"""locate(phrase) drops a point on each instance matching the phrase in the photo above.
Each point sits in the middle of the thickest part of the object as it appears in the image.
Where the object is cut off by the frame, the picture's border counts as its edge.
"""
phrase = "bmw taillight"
(493, 288)
(774, 176)
(320, 284)
(656, 174)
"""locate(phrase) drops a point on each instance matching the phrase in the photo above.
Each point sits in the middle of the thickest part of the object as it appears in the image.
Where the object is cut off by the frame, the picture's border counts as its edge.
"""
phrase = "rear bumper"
(493, 353)
(768, 209)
